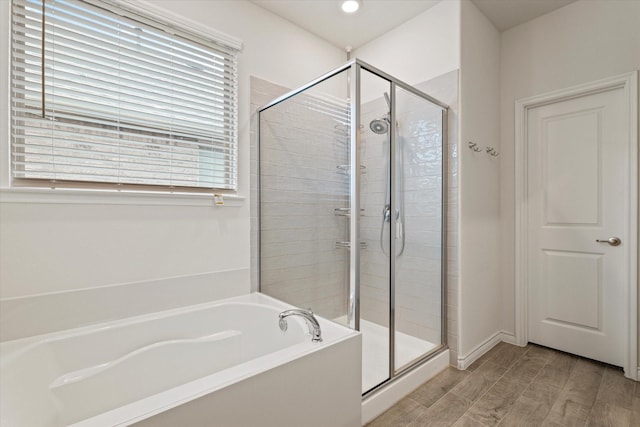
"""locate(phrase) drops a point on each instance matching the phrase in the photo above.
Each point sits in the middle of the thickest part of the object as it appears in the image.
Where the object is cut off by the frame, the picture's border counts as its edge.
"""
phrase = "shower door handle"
(613, 241)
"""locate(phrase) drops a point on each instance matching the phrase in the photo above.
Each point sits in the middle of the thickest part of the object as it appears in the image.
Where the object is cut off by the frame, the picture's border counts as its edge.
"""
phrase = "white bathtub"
(219, 364)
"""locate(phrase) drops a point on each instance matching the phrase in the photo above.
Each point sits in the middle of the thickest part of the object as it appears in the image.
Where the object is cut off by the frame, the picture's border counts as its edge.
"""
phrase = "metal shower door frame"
(355, 67)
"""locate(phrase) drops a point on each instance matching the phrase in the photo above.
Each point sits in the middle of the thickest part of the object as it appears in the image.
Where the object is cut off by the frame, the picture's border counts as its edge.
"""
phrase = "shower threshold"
(375, 351)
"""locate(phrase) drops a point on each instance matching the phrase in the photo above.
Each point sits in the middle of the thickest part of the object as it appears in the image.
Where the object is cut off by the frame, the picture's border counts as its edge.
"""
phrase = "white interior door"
(578, 193)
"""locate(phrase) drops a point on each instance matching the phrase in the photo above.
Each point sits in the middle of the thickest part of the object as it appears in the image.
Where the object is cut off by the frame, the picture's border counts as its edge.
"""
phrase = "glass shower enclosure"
(351, 202)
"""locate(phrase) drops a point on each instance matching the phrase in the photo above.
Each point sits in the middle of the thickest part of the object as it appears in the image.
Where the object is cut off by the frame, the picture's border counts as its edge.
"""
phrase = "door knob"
(613, 241)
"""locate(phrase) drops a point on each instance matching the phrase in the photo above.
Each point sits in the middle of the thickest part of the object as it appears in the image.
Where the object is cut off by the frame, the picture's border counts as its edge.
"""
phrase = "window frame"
(32, 189)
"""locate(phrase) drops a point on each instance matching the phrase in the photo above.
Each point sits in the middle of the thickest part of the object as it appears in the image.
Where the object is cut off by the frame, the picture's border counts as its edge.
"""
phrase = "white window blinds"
(101, 94)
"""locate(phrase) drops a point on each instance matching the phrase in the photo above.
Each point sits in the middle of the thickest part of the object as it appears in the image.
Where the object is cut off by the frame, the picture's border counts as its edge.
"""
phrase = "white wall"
(480, 302)
(51, 247)
(422, 48)
(581, 42)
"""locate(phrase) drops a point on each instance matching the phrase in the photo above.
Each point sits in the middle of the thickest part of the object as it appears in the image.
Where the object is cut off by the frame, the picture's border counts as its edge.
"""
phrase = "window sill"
(111, 197)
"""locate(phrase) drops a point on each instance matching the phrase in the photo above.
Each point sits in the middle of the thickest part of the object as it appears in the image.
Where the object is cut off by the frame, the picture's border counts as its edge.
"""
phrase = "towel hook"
(492, 152)
(474, 147)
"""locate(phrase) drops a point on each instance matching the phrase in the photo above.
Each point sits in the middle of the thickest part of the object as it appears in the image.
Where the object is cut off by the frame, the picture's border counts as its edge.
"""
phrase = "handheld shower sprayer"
(381, 126)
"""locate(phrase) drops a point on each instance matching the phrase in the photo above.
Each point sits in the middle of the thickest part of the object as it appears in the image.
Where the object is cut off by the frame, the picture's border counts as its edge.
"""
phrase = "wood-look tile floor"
(521, 386)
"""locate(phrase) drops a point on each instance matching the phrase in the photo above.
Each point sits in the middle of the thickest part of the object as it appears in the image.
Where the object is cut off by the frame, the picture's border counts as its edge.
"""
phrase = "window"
(101, 94)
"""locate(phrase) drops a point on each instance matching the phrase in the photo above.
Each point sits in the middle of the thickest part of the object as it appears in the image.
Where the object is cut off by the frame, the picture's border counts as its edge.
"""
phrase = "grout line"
(595, 400)
(528, 384)
(499, 378)
(449, 391)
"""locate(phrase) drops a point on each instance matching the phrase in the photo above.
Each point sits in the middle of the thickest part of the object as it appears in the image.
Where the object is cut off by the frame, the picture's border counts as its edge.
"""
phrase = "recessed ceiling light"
(350, 6)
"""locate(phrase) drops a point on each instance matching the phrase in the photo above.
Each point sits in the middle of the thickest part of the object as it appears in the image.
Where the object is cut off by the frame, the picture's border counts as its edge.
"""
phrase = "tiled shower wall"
(304, 140)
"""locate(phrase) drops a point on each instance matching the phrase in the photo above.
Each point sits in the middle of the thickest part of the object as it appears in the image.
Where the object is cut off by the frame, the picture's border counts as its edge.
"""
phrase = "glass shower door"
(375, 196)
(401, 199)
(418, 281)
(304, 199)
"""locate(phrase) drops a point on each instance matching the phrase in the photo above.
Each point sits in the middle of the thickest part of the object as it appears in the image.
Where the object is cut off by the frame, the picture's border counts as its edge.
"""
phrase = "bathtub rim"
(11, 349)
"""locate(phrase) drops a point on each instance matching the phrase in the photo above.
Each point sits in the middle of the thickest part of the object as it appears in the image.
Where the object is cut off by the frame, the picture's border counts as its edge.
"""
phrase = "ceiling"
(376, 17)
(508, 13)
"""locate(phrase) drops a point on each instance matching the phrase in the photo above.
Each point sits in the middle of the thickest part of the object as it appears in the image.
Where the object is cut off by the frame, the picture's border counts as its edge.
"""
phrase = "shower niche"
(358, 140)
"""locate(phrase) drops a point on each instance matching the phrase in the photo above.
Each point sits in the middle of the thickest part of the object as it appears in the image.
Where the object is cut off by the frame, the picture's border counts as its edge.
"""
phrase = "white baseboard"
(465, 361)
(509, 338)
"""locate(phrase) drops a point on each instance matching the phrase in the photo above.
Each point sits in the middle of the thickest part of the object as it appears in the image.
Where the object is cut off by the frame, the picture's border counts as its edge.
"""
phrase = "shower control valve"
(386, 213)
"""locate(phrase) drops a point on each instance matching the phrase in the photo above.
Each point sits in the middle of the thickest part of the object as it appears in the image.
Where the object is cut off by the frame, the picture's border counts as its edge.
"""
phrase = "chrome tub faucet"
(312, 322)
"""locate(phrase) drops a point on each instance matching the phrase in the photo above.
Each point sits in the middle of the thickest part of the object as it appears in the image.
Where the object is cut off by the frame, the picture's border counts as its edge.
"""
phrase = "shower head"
(379, 126)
